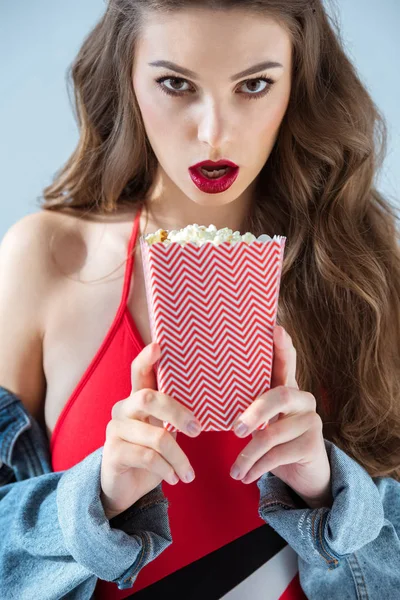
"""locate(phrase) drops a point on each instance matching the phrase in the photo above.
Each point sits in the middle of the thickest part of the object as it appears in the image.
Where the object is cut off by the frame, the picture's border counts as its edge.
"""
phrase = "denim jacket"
(56, 540)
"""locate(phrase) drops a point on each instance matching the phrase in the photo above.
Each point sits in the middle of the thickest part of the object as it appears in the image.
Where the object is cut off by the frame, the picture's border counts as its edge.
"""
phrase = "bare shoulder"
(27, 276)
(34, 246)
(23, 253)
(25, 231)
(39, 256)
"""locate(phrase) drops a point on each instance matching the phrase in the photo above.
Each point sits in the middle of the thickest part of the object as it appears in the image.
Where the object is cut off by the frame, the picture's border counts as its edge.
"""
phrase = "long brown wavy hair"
(340, 285)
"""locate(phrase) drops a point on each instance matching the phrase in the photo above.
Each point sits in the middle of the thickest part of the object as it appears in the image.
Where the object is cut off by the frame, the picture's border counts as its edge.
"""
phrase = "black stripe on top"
(217, 573)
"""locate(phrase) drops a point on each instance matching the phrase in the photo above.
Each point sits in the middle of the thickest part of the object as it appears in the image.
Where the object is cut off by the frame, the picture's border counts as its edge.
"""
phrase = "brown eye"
(253, 85)
(176, 85)
(173, 86)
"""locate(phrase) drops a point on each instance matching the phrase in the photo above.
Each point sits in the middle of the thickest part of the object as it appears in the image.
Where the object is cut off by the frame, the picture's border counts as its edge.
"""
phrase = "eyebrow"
(188, 73)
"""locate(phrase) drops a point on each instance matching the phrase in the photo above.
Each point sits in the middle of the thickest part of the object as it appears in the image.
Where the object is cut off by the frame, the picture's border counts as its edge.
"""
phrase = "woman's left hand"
(292, 445)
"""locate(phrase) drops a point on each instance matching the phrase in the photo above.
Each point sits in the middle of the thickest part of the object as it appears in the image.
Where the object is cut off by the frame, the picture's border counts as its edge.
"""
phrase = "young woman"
(90, 504)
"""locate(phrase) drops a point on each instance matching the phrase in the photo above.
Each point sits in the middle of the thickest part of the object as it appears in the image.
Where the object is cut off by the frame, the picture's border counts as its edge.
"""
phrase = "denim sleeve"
(355, 541)
(56, 540)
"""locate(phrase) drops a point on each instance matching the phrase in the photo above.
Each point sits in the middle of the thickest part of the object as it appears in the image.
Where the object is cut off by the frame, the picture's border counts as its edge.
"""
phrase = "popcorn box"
(212, 309)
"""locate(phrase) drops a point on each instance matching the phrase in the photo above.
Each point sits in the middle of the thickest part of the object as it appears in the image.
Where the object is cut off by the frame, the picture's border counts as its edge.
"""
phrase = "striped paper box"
(212, 310)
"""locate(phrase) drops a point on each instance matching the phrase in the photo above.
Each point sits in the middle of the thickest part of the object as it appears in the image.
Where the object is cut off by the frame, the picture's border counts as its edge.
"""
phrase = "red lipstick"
(216, 184)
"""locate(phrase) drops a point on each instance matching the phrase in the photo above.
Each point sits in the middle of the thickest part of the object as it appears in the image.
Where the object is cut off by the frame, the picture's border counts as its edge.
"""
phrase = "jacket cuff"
(324, 536)
(95, 542)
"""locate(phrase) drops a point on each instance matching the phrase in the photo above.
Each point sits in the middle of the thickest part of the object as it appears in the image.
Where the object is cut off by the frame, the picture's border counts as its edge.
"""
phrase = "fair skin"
(215, 118)
(56, 336)
(214, 122)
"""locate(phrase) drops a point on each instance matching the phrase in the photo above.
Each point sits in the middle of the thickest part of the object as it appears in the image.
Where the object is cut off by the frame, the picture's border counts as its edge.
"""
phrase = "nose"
(213, 128)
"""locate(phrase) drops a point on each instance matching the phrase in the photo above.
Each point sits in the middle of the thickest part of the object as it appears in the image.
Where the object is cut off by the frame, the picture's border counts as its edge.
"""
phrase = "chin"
(203, 199)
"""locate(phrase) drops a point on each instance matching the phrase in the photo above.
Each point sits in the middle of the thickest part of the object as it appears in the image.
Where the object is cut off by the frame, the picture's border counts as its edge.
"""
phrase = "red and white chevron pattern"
(212, 310)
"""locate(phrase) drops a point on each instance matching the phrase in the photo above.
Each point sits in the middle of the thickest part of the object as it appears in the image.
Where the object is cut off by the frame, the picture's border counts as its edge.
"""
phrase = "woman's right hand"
(138, 452)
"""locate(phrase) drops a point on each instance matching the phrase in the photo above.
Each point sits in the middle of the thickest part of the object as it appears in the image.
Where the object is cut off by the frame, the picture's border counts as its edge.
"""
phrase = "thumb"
(143, 376)
(285, 359)
(142, 373)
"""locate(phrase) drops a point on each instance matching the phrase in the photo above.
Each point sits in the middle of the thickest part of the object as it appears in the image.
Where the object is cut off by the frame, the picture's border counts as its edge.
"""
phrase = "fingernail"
(189, 476)
(193, 428)
(241, 429)
(235, 472)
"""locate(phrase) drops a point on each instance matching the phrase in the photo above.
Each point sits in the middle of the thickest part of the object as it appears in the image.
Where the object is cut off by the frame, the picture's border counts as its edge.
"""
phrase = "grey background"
(39, 39)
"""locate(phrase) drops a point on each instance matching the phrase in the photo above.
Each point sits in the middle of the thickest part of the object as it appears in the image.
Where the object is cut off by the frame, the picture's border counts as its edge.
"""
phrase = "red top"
(214, 508)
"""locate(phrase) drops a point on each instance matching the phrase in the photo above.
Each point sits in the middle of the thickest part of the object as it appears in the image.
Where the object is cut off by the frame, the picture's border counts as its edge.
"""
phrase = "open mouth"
(212, 173)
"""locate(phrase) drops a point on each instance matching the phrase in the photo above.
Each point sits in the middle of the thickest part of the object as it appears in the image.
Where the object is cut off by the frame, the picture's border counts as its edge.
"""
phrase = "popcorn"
(212, 309)
(199, 235)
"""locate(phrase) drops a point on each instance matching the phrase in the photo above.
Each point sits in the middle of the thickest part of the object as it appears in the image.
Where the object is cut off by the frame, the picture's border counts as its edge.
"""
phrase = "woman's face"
(215, 112)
